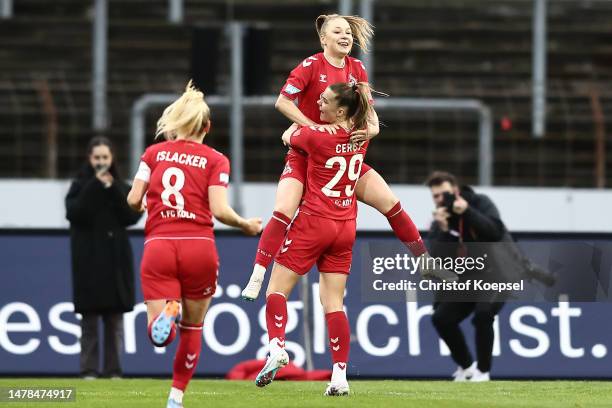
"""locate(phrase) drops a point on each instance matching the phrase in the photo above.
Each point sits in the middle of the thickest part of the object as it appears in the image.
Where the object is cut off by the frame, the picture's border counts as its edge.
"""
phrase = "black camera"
(448, 199)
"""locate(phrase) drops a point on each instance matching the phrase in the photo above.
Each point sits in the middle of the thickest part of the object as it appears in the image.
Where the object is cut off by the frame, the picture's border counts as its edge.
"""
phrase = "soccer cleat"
(273, 364)
(162, 325)
(173, 404)
(429, 270)
(251, 291)
(464, 374)
(337, 389)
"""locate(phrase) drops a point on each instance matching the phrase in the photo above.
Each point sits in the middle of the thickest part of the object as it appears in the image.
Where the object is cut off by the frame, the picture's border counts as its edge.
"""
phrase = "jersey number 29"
(354, 169)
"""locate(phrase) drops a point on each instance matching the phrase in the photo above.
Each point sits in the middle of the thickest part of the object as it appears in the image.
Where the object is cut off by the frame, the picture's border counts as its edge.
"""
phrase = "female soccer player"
(304, 85)
(324, 230)
(185, 185)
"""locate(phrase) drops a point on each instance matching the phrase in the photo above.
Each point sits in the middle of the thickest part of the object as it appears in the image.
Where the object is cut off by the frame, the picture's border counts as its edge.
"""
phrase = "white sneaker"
(251, 291)
(273, 364)
(464, 374)
(479, 376)
(337, 389)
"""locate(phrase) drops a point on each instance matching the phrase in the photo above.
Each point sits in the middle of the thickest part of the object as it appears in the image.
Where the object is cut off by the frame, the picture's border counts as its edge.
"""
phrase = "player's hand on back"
(331, 129)
(361, 135)
(286, 137)
(253, 226)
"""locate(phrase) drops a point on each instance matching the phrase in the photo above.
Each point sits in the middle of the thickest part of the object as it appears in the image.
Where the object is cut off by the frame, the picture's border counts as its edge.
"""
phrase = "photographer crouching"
(462, 216)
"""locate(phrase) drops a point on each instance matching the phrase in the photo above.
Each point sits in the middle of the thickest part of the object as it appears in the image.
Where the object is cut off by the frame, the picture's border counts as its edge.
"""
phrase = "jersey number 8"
(173, 189)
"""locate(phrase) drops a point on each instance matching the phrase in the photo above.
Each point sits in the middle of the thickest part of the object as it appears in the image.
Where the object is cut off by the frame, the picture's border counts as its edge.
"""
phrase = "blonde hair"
(188, 115)
(362, 30)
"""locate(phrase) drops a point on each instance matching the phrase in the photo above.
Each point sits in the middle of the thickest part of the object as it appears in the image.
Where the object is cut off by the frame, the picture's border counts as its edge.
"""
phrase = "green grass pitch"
(151, 393)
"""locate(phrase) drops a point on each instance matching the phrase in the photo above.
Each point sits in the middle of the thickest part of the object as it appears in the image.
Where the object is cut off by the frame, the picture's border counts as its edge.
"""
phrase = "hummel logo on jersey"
(224, 178)
(291, 90)
(322, 78)
(308, 62)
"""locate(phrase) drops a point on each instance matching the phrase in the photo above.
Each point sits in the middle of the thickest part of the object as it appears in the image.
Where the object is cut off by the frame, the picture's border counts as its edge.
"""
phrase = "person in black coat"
(462, 217)
(102, 260)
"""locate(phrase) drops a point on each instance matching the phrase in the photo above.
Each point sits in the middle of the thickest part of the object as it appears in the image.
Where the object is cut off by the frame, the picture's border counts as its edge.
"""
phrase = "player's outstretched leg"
(276, 322)
(271, 240)
(162, 329)
(288, 197)
(374, 191)
(339, 344)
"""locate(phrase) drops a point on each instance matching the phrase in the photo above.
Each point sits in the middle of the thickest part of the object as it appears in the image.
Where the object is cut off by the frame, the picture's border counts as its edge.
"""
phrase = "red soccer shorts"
(176, 268)
(296, 166)
(312, 239)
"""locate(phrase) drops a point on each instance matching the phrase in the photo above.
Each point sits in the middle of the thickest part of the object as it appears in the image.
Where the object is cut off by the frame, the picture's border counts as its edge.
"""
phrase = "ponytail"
(188, 115)
(356, 98)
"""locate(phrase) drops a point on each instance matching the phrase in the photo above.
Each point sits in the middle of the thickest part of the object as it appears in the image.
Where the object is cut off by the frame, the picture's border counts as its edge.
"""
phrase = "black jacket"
(481, 221)
(102, 260)
(482, 233)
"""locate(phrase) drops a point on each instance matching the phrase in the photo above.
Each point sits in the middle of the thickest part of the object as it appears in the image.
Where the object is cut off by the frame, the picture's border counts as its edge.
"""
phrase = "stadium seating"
(459, 49)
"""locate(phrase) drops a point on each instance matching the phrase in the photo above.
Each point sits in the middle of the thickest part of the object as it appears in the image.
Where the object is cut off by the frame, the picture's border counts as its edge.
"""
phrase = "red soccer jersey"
(334, 165)
(177, 198)
(309, 79)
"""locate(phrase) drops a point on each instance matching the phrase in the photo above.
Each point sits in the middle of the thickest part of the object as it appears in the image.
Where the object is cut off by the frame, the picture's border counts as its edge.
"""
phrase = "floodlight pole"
(366, 10)
(99, 61)
(176, 11)
(539, 69)
(345, 7)
(236, 31)
(6, 9)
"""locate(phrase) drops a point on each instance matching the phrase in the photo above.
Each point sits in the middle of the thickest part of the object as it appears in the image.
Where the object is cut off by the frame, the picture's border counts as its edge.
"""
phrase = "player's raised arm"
(288, 108)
